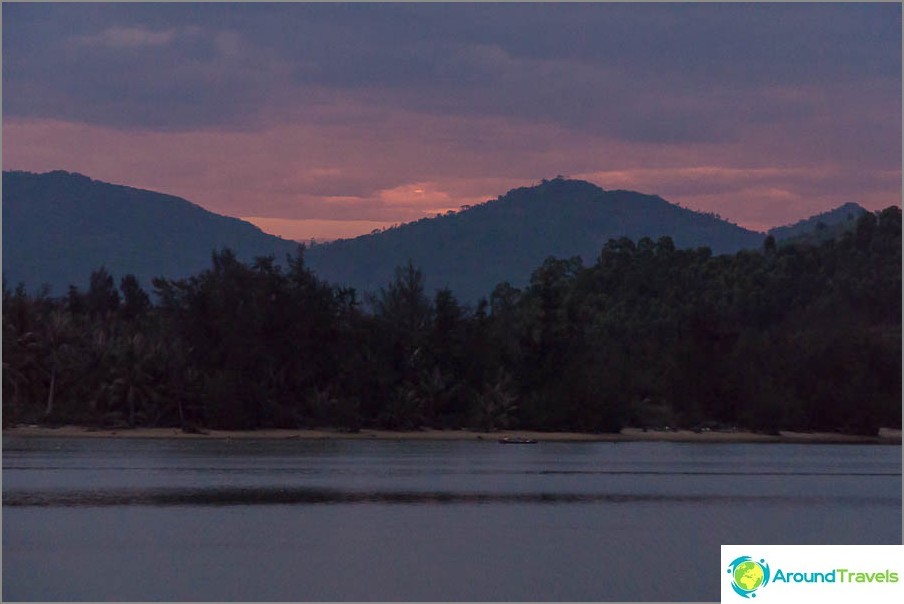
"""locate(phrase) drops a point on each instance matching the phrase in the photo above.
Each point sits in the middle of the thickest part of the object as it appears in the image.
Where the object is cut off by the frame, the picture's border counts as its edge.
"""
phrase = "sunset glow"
(379, 114)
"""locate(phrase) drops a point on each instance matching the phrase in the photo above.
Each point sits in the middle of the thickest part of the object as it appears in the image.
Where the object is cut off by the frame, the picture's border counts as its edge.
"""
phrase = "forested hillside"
(797, 337)
(505, 239)
(59, 226)
(821, 227)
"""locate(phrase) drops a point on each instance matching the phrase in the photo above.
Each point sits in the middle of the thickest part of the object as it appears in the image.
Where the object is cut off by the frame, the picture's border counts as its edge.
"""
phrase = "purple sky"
(326, 120)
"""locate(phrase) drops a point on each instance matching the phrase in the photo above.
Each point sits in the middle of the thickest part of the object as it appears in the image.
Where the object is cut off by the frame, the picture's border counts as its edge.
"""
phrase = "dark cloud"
(610, 68)
(174, 78)
(763, 112)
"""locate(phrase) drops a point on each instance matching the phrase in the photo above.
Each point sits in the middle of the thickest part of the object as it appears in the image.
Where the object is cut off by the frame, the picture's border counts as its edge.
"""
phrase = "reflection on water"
(283, 496)
(106, 519)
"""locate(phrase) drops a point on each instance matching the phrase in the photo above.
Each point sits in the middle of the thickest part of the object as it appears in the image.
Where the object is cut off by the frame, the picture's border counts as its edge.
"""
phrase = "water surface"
(116, 519)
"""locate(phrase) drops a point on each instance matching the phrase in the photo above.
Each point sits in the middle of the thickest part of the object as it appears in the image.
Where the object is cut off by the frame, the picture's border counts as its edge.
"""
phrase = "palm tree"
(20, 361)
(58, 336)
(494, 405)
(131, 383)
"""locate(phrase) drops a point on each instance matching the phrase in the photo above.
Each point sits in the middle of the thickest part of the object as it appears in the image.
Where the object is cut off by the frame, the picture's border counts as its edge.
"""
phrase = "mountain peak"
(561, 183)
(53, 175)
(560, 186)
(59, 226)
(850, 206)
(472, 251)
(824, 225)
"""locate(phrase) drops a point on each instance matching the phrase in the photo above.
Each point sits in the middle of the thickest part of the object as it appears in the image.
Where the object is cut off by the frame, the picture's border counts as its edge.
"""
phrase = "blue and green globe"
(749, 575)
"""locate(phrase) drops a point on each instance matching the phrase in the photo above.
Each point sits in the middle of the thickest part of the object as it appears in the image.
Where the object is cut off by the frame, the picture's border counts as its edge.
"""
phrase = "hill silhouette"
(60, 226)
(821, 227)
(473, 250)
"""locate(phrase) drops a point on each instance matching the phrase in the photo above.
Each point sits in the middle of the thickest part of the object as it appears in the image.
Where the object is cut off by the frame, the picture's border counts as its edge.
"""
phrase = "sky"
(331, 120)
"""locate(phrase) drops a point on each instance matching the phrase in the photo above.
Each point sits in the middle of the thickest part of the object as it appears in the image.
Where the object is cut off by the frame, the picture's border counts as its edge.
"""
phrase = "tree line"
(788, 337)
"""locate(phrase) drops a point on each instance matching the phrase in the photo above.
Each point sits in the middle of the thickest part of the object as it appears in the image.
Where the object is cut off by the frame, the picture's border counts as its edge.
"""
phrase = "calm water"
(87, 519)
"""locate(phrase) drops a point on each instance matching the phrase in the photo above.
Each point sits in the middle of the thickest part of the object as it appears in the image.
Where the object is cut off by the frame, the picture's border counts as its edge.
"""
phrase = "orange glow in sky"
(318, 121)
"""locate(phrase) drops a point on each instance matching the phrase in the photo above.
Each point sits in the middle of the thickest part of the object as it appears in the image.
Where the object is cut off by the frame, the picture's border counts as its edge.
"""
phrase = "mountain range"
(58, 227)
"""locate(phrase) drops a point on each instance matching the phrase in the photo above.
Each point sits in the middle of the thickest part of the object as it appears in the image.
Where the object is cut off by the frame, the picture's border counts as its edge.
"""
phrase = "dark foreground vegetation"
(795, 337)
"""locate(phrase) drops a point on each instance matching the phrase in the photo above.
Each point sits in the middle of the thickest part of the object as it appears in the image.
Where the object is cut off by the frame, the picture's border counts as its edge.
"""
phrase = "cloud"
(759, 198)
(118, 37)
(171, 79)
(316, 112)
(653, 73)
(426, 198)
(337, 173)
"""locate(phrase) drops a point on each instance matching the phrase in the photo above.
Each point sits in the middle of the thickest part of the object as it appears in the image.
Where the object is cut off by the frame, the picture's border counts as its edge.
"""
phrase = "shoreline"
(886, 436)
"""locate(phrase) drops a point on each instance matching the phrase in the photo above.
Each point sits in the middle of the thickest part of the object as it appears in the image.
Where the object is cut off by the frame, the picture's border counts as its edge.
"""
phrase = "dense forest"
(792, 337)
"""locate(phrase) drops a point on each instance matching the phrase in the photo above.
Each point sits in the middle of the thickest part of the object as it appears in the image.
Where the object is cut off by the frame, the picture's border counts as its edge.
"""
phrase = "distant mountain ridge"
(58, 227)
(505, 239)
(821, 227)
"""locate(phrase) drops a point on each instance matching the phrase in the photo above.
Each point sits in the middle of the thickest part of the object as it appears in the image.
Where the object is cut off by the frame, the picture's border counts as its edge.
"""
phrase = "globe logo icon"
(748, 575)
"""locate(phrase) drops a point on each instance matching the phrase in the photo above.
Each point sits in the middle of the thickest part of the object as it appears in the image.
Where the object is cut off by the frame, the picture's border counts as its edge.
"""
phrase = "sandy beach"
(886, 436)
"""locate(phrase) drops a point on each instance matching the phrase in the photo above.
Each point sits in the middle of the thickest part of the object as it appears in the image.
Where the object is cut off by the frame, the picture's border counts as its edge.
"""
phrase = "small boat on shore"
(515, 440)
